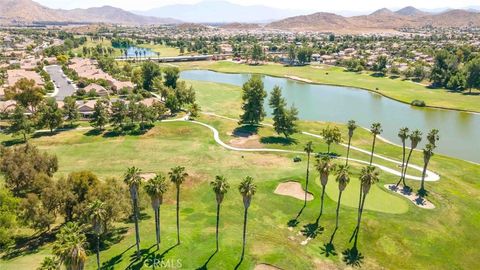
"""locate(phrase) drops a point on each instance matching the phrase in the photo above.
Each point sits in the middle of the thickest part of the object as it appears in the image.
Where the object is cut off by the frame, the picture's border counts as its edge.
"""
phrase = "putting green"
(377, 199)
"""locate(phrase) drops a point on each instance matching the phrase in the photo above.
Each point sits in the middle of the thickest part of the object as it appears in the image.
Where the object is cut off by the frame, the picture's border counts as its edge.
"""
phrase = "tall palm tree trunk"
(178, 217)
(306, 182)
(406, 168)
(338, 208)
(321, 203)
(348, 149)
(157, 226)
(360, 213)
(135, 218)
(424, 172)
(373, 149)
(98, 251)
(218, 221)
(403, 165)
(244, 231)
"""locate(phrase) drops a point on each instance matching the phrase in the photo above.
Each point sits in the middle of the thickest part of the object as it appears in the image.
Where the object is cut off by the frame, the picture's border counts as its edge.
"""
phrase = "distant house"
(7, 106)
(100, 90)
(86, 108)
(14, 75)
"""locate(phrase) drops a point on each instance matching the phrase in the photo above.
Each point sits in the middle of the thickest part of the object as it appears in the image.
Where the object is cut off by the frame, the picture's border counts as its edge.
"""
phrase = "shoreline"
(303, 80)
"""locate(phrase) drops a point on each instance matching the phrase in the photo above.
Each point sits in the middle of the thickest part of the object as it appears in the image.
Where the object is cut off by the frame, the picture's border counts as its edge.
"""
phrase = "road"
(63, 87)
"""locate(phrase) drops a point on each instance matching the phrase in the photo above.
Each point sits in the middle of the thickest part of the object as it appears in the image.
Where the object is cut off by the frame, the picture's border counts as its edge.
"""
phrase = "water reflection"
(459, 131)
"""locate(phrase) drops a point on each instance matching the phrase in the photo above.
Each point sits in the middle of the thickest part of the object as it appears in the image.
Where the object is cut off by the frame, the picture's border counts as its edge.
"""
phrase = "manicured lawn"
(395, 234)
(404, 91)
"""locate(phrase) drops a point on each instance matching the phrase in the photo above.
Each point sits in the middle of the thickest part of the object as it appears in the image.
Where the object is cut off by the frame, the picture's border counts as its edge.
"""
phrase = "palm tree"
(136, 54)
(427, 154)
(96, 214)
(403, 135)
(343, 178)
(368, 177)
(376, 130)
(351, 128)
(247, 188)
(415, 139)
(133, 179)
(49, 263)
(155, 188)
(70, 246)
(309, 150)
(433, 137)
(177, 176)
(324, 167)
(220, 186)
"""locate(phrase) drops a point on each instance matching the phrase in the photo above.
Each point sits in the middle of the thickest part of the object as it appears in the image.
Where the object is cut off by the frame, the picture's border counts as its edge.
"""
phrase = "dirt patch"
(264, 266)
(245, 140)
(414, 198)
(292, 189)
(298, 79)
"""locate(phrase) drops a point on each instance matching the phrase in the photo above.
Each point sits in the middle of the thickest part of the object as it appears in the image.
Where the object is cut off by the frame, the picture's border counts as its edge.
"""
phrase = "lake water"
(459, 131)
(148, 52)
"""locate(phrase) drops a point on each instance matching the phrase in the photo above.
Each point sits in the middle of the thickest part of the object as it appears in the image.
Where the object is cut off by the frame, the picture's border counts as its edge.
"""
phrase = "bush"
(297, 159)
(418, 103)
(81, 92)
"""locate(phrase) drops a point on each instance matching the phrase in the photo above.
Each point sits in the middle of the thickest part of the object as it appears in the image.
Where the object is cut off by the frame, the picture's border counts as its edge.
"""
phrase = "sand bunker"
(414, 198)
(264, 266)
(292, 189)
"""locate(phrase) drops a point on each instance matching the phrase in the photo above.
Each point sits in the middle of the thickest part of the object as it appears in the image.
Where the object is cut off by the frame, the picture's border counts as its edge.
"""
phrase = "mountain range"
(217, 11)
(27, 11)
(383, 19)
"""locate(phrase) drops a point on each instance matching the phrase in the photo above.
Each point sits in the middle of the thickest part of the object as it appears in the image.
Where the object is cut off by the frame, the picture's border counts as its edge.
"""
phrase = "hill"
(28, 11)
(379, 20)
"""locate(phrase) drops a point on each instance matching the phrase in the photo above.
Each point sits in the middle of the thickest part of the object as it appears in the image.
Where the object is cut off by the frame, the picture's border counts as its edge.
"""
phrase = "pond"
(142, 52)
(459, 131)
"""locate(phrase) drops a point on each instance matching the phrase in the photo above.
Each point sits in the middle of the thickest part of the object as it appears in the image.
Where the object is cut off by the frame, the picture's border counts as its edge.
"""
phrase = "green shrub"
(418, 103)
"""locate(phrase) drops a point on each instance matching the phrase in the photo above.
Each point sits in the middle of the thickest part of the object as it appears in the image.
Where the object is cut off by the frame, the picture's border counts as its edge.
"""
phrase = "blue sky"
(311, 5)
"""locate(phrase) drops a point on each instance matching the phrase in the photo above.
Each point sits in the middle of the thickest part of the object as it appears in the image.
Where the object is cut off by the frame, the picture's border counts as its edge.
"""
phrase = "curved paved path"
(430, 176)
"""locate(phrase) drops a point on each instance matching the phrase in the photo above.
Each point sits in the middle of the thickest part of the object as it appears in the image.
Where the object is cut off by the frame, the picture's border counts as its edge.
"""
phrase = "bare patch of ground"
(264, 266)
(147, 176)
(414, 198)
(245, 140)
(292, 189)
(298, 79)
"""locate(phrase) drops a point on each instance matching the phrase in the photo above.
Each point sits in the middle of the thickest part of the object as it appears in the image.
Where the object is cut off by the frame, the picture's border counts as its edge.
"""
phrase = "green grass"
(398, 89)
(394, 235)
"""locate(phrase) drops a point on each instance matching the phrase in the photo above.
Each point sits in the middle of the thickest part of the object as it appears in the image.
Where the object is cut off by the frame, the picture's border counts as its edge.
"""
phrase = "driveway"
(64, 88)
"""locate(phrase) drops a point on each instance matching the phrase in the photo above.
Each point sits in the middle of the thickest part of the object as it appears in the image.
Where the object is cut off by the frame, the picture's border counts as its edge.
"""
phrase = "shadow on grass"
(41, 134)
(150, 259)
(312, 230)
(245, 130)
(294, 222)
(278, 140)
(328, 249)
(204, 266)
(13, 142)
(110, 264)
(378, 74)
(93, 132)
(136, 131)
(29, 245)
(352, 257)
